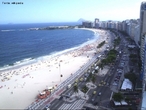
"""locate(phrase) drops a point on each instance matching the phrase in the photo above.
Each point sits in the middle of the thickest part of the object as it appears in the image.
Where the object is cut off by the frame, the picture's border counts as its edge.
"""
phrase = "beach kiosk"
(44, 94)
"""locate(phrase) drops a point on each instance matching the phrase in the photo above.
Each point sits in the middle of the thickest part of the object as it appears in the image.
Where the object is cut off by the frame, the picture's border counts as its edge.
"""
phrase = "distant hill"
(81, 20)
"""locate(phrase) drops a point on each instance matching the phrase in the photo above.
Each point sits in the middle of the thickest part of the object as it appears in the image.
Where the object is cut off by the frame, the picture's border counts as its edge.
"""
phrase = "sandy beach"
(19, 87)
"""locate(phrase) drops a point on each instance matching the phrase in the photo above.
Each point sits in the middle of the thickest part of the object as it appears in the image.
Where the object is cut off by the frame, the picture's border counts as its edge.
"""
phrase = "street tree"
(117, 97)
(93, 79)
(132, 77)
(75, 88)
(101, 66)
(85, 89)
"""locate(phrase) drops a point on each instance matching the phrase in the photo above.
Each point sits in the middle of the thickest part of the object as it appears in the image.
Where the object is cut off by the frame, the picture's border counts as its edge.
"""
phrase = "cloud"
(120, 13)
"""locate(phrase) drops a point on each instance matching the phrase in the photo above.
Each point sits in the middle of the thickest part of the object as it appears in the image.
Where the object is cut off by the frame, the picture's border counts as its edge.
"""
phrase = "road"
(105, 90)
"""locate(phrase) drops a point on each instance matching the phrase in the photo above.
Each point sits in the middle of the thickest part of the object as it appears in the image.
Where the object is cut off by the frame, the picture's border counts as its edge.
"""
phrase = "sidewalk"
(90, 85)
(76, 96)
(104, 71)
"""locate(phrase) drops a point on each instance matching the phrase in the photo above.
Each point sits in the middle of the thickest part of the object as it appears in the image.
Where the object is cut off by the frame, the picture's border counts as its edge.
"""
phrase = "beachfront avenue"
(33, 79)
(102, 96)
(66, 98)
(91, 100)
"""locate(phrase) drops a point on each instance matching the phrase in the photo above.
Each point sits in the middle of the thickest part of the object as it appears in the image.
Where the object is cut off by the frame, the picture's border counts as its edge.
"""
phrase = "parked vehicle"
(69, 86)
(94, 92)
(99, 93)
(81, 79)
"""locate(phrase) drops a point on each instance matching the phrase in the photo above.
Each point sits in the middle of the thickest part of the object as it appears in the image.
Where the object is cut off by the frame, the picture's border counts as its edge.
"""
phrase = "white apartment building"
(143, 51)
(136, 35)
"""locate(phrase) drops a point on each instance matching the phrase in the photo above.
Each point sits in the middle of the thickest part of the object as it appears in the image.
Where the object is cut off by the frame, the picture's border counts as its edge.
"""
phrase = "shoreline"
(31, 60)
(26, 82)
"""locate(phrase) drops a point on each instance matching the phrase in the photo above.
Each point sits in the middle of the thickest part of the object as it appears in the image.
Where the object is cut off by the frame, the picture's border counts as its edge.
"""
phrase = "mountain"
(81, 20)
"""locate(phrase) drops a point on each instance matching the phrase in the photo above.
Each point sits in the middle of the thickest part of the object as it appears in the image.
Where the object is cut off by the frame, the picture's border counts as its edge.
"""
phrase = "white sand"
(26, 82)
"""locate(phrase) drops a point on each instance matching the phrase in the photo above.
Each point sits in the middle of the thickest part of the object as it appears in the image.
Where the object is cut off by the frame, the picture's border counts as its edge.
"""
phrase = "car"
(107, 84)
(118, 77)
(99, 93)
(99, 84)
(96, 103)
(119, 72)
(69, 86)
(109, 74)
(76, 80)
(61, 97)
(93, 100)
(94, 92)
(104, 83)
(81, 79)
(85, 79)
(115, 84)
(67, 95)
(47, 107)
(75, 84)
(115, 79)
(86, 75)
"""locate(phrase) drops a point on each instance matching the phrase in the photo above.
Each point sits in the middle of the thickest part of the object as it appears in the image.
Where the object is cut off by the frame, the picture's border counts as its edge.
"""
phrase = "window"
(145, 7)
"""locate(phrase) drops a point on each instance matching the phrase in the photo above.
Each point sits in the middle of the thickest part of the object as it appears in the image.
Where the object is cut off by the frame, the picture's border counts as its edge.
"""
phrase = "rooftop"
(143, 106)
(127, 84)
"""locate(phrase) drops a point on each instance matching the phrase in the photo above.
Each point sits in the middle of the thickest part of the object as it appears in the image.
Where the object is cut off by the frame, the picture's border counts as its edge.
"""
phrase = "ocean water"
(19, 46)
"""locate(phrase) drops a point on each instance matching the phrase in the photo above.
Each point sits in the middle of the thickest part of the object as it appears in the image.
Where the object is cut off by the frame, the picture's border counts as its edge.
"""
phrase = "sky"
(46, 11)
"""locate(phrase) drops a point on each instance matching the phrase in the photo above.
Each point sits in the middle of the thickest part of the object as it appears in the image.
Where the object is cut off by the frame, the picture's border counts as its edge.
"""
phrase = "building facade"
(136, 36)
(87, 24)
(143, 75)
(143, 51)
(142, 26)
(96, 23)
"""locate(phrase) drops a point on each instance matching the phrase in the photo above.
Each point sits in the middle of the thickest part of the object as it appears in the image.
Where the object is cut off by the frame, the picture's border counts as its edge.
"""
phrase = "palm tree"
(101, 66)
(75, 88)
(85, 89)
(93, 79)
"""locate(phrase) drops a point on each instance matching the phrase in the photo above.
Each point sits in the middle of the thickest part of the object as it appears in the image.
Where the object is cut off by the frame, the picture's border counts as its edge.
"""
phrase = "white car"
(93, 100)
(115, 84)
(99, 93)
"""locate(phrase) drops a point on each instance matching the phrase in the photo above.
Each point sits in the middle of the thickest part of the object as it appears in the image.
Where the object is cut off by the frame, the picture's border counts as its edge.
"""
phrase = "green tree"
(101, 65)
(130, 108)
(133, 56)
(90, 75)
(104, 61)
(118, 97)
(93, 78)
(114, 46)
(101, 44)
(85, 89)
(75, 88)
(132, 77)
(96, 71)
(88, 79)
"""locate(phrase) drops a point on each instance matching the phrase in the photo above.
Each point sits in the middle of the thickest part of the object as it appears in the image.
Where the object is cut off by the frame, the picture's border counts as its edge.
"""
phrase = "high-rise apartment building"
(142, 26)
(143, 51)
(96, 22)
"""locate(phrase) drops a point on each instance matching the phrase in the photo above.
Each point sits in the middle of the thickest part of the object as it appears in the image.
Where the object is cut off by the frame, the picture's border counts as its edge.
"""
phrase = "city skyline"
(68, 11)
